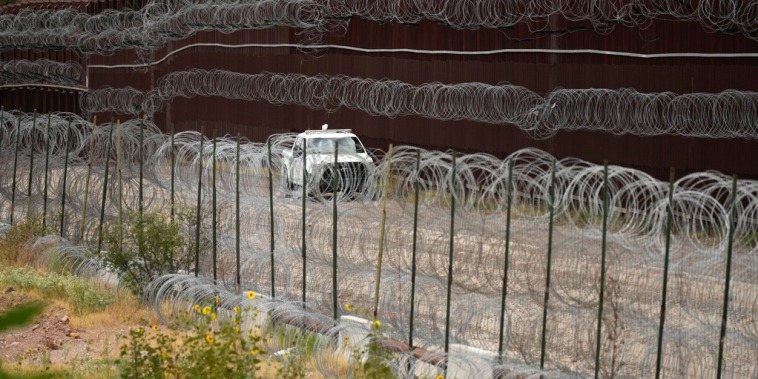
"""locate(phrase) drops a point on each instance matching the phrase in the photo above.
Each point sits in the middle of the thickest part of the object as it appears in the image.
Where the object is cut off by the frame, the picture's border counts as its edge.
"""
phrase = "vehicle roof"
(329, 133)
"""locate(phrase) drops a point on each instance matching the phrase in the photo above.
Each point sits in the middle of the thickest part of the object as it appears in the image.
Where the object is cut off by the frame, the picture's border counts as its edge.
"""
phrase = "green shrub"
(214, 348)
(144, 248)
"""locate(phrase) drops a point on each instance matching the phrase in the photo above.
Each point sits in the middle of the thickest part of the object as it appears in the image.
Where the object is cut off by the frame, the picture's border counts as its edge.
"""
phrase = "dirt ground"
(51, 340)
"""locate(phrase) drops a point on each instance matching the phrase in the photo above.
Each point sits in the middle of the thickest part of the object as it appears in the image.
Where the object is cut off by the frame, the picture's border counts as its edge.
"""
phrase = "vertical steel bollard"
(506, 259)
(602, 269)
(724, 315)
(385, 194)
(549, 263)
(15, 167)
(65, 177)
(105, 187)
(450, 260)
(271, 213)
(237, 213)
(199, 201)
(335, 173)
(669, 222)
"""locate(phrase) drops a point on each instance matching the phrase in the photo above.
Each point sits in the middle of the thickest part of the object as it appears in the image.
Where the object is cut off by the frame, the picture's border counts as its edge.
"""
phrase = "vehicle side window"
(297, 148)
(358, 146)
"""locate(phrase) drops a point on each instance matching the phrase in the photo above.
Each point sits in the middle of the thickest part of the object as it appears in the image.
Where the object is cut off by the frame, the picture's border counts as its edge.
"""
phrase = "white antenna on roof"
(325, 126)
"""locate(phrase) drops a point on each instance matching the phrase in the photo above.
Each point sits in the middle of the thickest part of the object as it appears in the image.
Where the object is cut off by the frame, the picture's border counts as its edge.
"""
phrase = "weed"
(145, 247)
(80, 293)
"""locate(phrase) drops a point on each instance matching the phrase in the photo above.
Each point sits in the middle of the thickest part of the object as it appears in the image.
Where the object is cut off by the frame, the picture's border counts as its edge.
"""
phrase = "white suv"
(354, 165)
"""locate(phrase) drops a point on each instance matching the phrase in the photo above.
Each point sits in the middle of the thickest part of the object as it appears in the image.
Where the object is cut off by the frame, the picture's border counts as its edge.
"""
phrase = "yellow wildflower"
(251, 295)
(155, 327)
(236, 309)
(209, 338)
(254, 351)
(213, 316)
(377, 324)
(197, 308)
(207, 310)
(440, 377)
(348, 307)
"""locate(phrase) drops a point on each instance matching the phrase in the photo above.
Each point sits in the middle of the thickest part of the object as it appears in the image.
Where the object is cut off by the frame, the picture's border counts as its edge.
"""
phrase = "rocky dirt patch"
(50, 338)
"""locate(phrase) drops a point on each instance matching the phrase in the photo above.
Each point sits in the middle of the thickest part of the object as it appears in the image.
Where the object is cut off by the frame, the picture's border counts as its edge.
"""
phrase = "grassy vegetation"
(198, 344)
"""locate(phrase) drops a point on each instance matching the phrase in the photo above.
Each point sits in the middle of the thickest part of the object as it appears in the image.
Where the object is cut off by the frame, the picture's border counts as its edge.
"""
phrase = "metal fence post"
(305, 193)
(506, 260)
(602, 269)
(213, 208)
(15, 167)
(669, 222)
(65, 176)
(549, 262)
(237, 213)
(415, 237)
(105, 187)
(173, 168)
(89, 174)
(141, 165)
(47, 166)
(450, 259)
(335, 173)
(199, 201)
(32, 142)
(725, 313)
(271, 213)
(120, 189)
(378, 278)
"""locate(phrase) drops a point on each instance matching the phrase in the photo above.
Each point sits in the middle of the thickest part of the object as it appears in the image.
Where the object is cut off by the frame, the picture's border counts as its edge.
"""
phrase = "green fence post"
(213, 196)
(413, 248)
(105, 186)
(87, 178)
(271, 213)
(15, 167)
(730, 245)
(335, 173)
(603, 247)
(385, 194)
(32, 142)
(199, 201)
(669, 222)
(450, 259)
(506, 260)
(305, 193)
(65, 176)
(549, 262)
(47, 166)
(237, 212)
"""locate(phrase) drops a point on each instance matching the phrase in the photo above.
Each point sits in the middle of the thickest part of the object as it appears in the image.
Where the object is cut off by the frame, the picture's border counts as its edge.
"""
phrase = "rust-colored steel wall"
(539, 72)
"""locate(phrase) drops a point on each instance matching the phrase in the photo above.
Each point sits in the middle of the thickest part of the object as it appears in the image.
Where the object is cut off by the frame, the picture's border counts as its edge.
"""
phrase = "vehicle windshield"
(326, 145)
